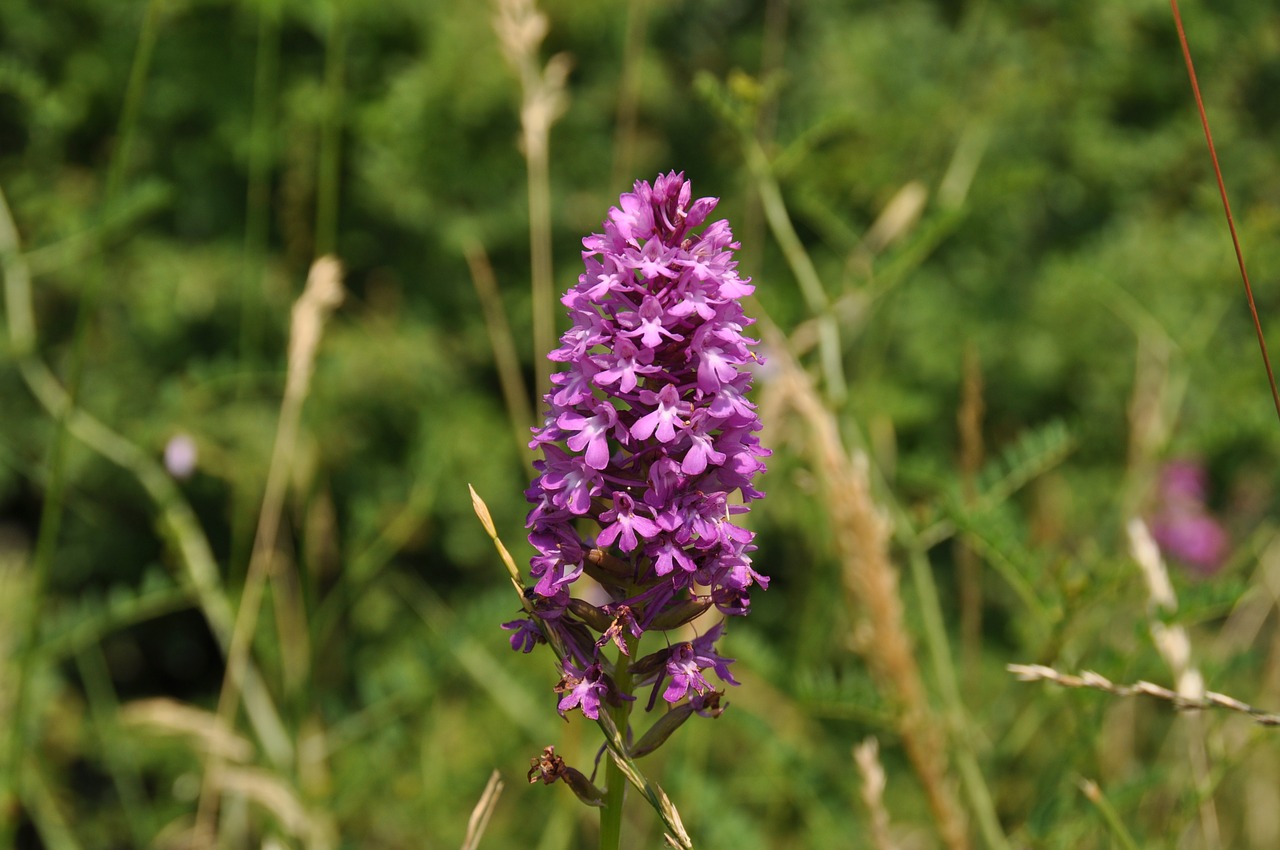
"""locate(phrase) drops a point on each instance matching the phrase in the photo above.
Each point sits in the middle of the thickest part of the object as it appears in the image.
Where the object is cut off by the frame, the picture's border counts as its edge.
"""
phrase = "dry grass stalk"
(521, 28)
(867, 757)
(898, 218)
(177, 520)
(321, 297)
(309, 829)
(482, 812)
(270, 792)
(862, 533)
(205, 730)
(1174, 645)
(1098, 682)
(502, 341)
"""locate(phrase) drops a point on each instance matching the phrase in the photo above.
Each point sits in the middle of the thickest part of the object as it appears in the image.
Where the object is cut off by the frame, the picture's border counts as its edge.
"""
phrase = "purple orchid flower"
(649, 437)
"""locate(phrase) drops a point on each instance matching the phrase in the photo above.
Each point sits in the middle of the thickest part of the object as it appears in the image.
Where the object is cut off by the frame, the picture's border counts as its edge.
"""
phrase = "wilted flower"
(648, 434)
(549, 768)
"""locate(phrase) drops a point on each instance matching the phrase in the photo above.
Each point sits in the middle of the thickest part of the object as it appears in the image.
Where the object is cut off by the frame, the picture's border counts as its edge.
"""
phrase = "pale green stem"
(1109, 814)
(616, 781)
(257, 218)
(935, 635)
(540, 260)
(624, 139)
(42, 804)
(258, 194)
(514, 391)
(177, 521)
(815, 296)
(51, 515)
(331, 135)
(104, 707)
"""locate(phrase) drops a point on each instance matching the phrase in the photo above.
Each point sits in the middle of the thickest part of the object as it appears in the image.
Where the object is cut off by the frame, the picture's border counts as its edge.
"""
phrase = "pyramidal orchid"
(648, 456)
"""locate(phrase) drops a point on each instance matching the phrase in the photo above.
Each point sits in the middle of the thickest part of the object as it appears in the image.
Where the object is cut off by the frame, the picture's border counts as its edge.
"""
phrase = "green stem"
(540, 261)
(258, 195)
(176, 520)
(1119, 831)
(815, 295)
(257, 231)
(331, 134)
(616, 787)
(624, 138)
(20, 734)
(104, 711)
(935, 634)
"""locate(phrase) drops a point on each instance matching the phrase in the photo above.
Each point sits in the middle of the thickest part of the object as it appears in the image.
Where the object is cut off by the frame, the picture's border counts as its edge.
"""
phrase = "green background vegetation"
(1084, 270)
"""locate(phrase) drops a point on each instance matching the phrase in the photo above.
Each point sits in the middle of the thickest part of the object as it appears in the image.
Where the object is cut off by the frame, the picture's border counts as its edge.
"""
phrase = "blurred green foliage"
(1085, 267)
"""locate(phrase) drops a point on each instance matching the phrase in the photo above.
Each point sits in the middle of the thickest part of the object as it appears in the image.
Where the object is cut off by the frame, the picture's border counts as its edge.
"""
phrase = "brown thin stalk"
(969, 424)
(321, 296)
(862, 535)
(1226, 204)
(1173, 642)
(514, 392)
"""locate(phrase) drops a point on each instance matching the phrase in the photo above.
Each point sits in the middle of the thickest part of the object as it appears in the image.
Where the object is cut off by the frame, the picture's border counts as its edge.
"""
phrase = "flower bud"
(679, 614)
(594, 617)
(660, 731)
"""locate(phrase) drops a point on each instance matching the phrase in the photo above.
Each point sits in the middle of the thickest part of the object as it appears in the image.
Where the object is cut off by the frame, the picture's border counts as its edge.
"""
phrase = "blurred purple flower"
(1182, 525)
(181, 456)
(1196, 539)
(647, 434)
(1183, 481)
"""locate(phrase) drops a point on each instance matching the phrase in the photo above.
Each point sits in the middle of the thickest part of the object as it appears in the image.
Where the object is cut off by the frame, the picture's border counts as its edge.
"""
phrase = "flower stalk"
(615, 781)
(649, 452)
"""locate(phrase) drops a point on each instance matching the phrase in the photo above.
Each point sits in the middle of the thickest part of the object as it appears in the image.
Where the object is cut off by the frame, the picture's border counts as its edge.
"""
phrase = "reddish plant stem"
(1226, 204)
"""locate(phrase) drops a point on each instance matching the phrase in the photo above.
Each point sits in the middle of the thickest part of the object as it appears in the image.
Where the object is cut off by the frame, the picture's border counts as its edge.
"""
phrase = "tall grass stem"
(1109, 814)
(329, 184)
(861, 540)
(258, 191)
(520, 28)
(1226, 204)
(322, 295)
(514, 391)
(55, 494)
(104, 709)
(625, 126)
(815, 295)
(177, 521)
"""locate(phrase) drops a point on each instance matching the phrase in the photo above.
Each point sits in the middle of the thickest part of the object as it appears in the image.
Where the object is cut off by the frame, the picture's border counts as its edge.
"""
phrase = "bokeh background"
(1038, 332)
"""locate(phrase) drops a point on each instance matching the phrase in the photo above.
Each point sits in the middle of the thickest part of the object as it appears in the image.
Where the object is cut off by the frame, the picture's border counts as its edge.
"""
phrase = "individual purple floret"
(649, 450)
